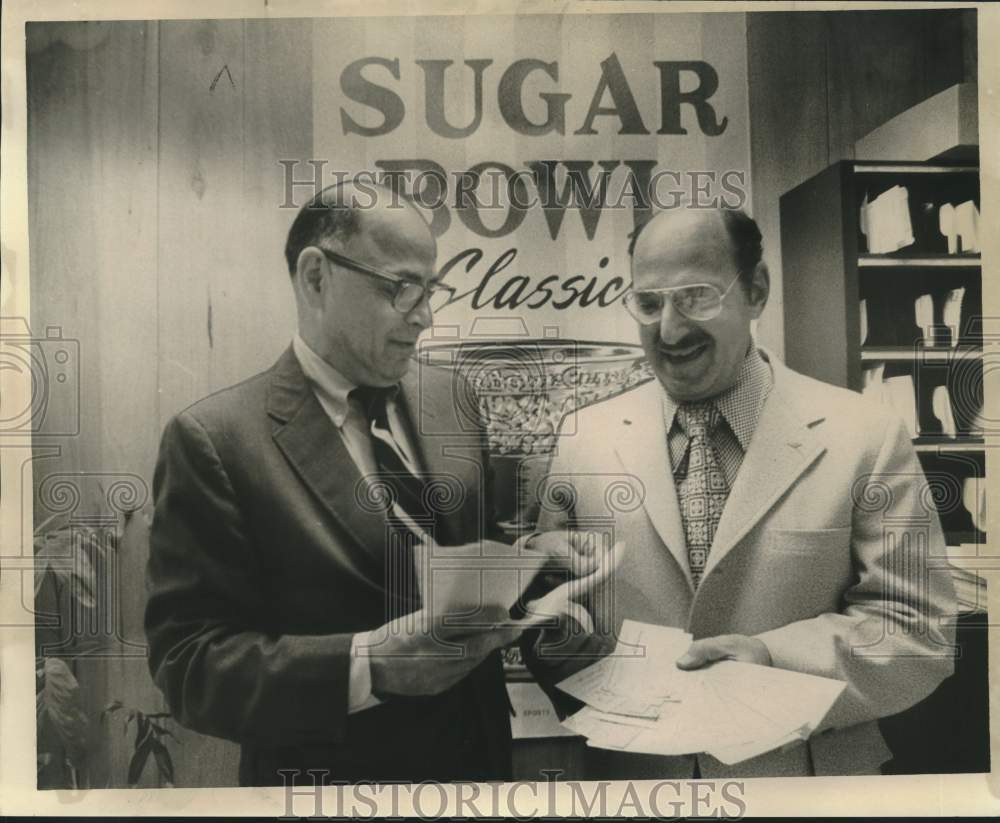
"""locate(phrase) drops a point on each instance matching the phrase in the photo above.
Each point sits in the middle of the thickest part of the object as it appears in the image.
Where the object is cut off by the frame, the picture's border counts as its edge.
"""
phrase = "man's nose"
(421, 314)
(673, 324)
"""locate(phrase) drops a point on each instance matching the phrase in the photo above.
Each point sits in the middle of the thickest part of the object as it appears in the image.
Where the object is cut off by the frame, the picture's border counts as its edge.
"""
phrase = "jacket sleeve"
(553, 654)
(892, 641)
(221, 671)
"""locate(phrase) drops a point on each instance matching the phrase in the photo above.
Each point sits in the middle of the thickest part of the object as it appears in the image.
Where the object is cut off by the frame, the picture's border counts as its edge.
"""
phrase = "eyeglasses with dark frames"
(408, 294)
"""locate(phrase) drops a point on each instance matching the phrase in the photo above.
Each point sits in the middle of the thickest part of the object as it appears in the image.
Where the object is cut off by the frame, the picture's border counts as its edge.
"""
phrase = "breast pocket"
(819, 543)
(804, 572)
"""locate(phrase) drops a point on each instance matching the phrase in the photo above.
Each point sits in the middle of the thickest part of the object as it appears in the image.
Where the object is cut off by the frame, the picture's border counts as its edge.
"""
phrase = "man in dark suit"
(281, 577)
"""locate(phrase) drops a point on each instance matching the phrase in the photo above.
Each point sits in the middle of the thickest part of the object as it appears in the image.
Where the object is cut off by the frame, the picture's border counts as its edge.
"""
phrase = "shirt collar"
(740, 405)
(329, 383)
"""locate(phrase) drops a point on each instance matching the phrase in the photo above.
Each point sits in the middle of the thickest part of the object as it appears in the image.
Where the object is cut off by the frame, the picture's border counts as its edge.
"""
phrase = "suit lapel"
(782, 448)
(642, 448)
(316, 451)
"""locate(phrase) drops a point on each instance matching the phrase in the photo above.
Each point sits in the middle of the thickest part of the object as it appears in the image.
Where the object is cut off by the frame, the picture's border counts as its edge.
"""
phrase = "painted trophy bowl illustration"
(522, 389)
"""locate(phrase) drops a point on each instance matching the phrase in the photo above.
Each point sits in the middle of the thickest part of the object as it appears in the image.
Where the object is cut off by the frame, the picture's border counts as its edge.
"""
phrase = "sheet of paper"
(639, 701)
(787, 698)
(474, 583)
(533, 715)
(595, 687)
(607, 731)
(736, 754)
(638, 677)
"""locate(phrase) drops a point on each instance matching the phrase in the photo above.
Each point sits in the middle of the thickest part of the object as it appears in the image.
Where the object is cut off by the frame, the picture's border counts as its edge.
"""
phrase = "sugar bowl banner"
(534, 144)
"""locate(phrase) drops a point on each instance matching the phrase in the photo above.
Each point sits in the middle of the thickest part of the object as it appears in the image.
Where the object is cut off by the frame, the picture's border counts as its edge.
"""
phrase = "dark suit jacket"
(263, 564)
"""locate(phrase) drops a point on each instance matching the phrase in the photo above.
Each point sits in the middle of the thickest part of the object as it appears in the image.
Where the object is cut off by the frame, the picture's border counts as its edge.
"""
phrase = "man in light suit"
(279, 579)
(779, 520)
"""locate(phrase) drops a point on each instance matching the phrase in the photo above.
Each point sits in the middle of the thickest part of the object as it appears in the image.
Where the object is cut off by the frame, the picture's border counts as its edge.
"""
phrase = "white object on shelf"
(863, 316)
(953, 312)
(941, 405)
(967, 226)
(923, 310)
(946, 224)
(885, 221)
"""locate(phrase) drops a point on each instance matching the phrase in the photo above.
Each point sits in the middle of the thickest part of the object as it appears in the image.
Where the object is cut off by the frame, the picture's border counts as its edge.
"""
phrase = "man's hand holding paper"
(737, 647)
(576, 563)
(638, 699)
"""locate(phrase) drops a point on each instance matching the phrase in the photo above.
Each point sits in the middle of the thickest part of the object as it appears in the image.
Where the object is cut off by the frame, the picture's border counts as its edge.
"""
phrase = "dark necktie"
(403, 481)
(703, 489)
(400, 487)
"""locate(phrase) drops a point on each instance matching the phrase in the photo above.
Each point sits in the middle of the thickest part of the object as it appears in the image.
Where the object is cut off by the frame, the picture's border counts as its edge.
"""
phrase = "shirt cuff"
(359, 688)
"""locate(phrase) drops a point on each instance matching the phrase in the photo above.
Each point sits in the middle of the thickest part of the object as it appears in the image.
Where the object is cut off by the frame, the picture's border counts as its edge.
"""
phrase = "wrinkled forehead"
(681, 248)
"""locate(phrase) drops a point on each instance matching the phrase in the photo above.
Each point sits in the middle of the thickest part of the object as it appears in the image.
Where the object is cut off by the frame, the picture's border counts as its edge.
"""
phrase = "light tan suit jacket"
(829, 550)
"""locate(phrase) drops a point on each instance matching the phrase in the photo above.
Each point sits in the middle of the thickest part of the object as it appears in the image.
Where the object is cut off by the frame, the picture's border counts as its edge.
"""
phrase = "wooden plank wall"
(92, 233)
(819, 82)
(156, 239)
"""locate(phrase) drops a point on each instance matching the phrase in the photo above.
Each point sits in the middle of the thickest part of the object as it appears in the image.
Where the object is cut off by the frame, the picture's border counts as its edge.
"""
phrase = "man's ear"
(760, 288)
(309, 274)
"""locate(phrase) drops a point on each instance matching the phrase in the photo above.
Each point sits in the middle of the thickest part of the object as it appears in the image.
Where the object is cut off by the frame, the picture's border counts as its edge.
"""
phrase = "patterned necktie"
(406, 490)
(703, 489)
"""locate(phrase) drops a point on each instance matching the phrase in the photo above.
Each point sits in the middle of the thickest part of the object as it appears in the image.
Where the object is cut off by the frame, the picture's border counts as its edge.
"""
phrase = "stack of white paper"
(639, 701)
(885, 221)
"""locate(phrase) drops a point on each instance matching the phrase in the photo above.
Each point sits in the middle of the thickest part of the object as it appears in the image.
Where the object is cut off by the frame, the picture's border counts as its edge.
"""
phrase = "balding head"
(347, 314)
(338, 212)
(741, 229)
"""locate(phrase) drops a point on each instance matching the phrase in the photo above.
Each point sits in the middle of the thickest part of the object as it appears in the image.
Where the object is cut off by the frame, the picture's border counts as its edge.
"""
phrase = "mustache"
(688, 342)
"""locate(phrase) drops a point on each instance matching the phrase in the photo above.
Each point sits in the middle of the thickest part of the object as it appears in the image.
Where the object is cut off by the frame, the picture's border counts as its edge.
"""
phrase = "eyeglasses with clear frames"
(697, 301)
(407, 295)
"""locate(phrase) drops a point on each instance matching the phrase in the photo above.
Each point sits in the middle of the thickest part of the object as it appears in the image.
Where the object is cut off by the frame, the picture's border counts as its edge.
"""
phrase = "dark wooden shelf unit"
(827, 271)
